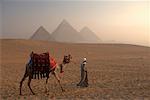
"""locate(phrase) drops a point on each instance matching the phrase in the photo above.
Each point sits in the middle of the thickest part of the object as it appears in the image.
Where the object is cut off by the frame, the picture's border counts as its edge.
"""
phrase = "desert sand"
(115, 71)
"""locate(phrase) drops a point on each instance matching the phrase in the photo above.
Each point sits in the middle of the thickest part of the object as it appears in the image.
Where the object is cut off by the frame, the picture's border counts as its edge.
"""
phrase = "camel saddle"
(40, 65)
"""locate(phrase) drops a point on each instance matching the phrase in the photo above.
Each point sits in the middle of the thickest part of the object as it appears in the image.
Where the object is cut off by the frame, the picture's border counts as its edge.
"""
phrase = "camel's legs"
(46, 80)
(24, 77)
(46, 87)
(58, 81)
(29, 81)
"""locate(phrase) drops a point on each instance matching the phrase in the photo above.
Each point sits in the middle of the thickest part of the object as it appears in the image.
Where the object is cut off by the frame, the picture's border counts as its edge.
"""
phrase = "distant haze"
(113, 21)
(0, 18)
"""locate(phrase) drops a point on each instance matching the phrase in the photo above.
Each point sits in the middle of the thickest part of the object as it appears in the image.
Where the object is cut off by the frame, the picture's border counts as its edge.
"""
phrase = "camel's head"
(67, 59)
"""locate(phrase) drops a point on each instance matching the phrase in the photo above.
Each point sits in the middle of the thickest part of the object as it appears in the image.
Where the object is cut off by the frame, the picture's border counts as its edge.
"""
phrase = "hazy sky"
(0, 18)
(112, 20)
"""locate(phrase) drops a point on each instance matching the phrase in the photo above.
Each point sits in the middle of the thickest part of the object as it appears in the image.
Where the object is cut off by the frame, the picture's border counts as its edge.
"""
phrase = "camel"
(29, 73)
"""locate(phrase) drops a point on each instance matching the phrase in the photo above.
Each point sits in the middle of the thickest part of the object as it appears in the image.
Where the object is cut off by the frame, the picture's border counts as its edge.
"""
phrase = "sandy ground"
(115, 71)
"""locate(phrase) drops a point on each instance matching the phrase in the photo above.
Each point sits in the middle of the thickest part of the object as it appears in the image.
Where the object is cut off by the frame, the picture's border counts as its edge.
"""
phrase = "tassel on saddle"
(40, 65)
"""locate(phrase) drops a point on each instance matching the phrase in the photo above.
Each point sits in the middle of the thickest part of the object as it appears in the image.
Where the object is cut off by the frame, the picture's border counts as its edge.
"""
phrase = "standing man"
(84, 78)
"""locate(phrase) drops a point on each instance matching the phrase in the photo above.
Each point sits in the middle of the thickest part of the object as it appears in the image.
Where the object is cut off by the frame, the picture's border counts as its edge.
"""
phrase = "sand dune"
(115, 71)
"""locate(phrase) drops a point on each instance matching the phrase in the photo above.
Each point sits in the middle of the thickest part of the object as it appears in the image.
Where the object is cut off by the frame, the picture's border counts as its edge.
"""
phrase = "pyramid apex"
(64, 24)
(64, 21)
(41, 27)
(41, 30)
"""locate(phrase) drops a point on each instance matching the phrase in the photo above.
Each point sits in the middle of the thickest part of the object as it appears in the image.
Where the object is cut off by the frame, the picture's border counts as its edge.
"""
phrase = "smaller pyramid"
(89, 36)
(41, 34)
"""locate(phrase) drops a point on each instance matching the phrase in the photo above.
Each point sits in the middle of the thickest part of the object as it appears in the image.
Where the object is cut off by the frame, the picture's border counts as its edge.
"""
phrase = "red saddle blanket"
(53, 63)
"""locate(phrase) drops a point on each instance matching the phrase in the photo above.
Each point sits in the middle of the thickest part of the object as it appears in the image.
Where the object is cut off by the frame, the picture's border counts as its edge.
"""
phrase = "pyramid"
(41, 34)
(66, 33)
(89, 36)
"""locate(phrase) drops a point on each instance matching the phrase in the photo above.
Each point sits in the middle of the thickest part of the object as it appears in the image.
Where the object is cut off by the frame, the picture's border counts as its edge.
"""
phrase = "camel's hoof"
(63, 90)
(33, 93)
(47, 93)
(78, 84)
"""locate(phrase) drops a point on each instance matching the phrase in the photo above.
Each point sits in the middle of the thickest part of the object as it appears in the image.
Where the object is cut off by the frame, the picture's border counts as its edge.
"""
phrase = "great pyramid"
(89, 36)
(41, 34)
(66, 33)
